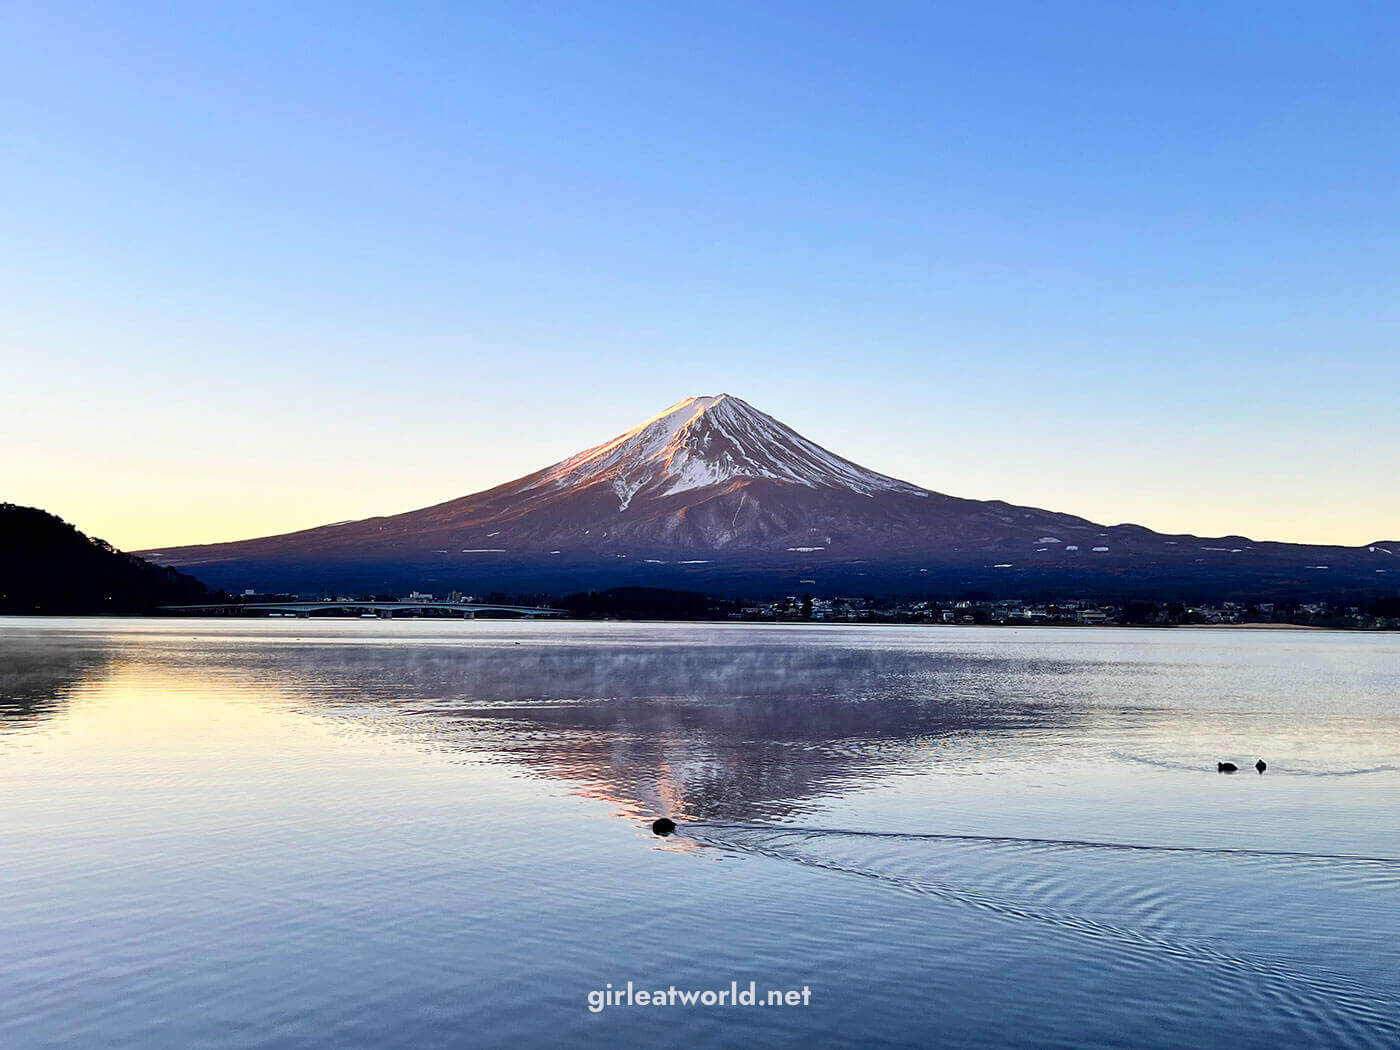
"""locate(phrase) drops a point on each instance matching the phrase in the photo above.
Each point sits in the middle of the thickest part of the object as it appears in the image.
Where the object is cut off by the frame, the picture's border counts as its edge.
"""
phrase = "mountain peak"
(710, 440)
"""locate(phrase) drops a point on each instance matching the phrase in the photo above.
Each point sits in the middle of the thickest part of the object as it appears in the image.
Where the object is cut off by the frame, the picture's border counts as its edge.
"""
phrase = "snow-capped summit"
(714, 494)
(705, 441)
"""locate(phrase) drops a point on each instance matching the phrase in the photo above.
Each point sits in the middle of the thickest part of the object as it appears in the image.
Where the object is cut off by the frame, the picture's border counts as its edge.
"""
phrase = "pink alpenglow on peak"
(704, 441)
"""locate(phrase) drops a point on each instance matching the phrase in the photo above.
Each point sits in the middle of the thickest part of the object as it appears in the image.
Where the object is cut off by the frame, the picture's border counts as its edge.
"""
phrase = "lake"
(315, 833)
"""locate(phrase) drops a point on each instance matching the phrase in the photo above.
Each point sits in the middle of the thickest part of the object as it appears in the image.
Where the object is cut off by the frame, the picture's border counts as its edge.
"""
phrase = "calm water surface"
(419, 834)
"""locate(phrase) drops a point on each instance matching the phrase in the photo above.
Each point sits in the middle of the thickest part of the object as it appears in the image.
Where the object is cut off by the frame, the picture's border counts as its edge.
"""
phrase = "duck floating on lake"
(1225, 767)
(663, 826)
(1261, 765)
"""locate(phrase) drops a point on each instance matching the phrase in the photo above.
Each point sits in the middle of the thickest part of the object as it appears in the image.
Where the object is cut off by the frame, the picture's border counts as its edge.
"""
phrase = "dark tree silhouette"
(48, 566)
(644, 603)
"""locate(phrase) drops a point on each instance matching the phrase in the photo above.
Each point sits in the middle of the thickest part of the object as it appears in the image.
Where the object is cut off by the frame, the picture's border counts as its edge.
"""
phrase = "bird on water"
(1225, 767)
(663, 826)
(1261, 765)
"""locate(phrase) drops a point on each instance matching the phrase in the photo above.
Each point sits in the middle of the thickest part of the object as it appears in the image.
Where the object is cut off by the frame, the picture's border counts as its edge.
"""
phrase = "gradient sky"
(271, 266)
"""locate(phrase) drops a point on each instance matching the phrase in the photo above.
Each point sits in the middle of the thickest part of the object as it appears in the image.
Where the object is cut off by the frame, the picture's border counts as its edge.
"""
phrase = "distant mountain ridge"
(713, 493)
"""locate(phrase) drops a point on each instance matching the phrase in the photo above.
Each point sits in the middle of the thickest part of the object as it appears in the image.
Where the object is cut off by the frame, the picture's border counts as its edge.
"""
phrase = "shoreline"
(34, 617)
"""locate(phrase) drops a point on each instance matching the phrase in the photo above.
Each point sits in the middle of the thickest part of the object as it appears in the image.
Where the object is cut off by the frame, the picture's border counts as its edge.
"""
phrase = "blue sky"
(271, 266)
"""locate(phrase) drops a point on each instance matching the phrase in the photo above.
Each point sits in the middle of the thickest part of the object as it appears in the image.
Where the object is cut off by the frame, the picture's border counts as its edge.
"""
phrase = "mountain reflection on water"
(734, 733)
(710, 731)
(755, 723)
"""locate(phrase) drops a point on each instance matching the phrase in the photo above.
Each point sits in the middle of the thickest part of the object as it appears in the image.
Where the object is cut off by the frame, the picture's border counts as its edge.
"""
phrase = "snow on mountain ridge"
(703, 441)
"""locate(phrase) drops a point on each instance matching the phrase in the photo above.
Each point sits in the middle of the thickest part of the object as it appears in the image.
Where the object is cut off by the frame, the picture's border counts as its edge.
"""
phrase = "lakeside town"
(654, 604)
(1085, 612)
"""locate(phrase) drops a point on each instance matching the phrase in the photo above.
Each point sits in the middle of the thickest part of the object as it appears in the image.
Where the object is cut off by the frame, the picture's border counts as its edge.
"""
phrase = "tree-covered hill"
(48, 566)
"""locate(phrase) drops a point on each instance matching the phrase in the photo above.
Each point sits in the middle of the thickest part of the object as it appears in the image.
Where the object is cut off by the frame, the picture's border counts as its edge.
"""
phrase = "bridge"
(384, 610)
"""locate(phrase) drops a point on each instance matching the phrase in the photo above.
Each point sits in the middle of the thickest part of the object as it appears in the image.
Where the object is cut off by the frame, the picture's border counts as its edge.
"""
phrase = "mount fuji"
(714, 494)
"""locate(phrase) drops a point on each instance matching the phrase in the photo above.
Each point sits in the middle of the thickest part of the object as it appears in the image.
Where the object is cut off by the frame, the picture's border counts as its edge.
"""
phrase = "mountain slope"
(713, 492)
